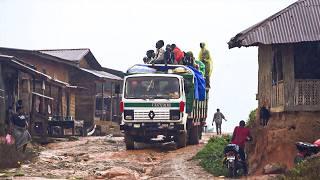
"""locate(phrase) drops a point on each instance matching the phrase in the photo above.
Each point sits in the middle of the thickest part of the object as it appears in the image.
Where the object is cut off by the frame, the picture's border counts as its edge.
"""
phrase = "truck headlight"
(128, 114)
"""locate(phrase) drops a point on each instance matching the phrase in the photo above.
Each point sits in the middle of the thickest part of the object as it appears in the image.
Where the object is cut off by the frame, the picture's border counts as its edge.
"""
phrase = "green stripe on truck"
(151, 104)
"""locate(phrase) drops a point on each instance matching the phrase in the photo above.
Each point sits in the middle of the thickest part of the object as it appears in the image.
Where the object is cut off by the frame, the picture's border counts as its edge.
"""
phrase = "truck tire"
(194, 135)
(181, 139)
(128, 140)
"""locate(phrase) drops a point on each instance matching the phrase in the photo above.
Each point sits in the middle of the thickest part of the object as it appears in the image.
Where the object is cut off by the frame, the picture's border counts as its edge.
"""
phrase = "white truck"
(161, 100)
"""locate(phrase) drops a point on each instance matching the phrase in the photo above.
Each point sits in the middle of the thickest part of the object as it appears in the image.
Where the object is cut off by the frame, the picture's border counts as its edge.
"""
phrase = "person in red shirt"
(178, 54)
(240, 135)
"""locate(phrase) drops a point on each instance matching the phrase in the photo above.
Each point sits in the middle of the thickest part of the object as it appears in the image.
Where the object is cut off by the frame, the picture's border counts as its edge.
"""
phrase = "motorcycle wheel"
(232, 172)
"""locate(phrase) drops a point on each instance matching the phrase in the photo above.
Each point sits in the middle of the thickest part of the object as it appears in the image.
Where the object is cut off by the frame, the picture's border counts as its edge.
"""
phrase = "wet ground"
(106, 158)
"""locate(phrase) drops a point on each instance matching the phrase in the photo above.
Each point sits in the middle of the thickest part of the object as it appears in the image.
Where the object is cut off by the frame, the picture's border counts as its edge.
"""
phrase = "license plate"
(136, 125)
(231, 158)
(165, 125)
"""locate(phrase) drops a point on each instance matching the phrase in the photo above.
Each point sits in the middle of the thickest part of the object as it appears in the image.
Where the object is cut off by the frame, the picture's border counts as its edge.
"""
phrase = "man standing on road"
(217, 118)
(240, 135)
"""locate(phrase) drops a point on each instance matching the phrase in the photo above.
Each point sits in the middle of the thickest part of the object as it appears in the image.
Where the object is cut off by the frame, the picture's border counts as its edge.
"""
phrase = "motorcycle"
(232, 161)
(305, 150)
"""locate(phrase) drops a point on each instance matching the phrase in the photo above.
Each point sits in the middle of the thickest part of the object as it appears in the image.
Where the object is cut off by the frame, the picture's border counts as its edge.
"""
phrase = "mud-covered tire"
(232, 172)
(194, 135)
(128, 140)
(181, 139)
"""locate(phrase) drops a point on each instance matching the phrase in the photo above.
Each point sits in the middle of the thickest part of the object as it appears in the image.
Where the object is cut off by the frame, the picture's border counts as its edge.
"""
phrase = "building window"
(307, 61)
(277, 70)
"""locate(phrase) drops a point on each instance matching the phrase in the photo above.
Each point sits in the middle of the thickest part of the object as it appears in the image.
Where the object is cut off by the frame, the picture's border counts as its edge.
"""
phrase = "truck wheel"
(194, 135)
(128, 140)
(181, 139)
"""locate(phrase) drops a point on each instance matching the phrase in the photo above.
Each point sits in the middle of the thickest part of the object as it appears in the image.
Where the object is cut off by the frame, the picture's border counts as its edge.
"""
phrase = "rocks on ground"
(274, 168)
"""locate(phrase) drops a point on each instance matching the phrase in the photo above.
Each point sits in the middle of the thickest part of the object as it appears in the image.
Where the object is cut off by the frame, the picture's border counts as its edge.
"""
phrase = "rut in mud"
(106, 157)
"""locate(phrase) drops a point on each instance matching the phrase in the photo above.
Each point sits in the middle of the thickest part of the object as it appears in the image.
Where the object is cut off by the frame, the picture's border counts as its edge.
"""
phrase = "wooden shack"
(288, 56)
(99, 83)
(288, 80)
(20, 81)
(86, 81)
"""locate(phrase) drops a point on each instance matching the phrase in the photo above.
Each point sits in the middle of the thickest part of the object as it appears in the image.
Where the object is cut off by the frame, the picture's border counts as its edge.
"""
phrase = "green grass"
(308, 169)
(211, 156)
(251, 118)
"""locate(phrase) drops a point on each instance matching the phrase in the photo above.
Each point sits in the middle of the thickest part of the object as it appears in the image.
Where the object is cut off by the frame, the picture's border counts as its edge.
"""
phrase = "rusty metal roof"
(67, 54)
(102, 74)
(24, 67)
(298, 22)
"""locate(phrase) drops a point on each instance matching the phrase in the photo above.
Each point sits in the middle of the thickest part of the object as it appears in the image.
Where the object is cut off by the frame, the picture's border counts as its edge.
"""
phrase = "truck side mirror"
(117, 88)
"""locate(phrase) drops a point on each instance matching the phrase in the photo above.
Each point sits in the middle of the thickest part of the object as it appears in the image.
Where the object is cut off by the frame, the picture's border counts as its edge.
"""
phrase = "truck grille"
(158, 115)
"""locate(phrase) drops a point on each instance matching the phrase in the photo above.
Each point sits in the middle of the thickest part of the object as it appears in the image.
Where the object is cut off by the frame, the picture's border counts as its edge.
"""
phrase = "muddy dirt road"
(106, 158)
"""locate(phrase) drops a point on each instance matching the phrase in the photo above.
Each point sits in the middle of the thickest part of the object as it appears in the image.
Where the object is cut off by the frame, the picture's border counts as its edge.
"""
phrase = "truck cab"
(156, 104)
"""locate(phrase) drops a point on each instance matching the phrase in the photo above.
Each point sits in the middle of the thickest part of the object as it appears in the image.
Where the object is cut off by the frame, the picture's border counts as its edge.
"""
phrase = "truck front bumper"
(156, 127)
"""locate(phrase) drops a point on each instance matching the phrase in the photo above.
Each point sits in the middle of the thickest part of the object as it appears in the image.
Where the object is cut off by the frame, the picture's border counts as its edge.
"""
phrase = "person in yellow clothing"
(205, 57)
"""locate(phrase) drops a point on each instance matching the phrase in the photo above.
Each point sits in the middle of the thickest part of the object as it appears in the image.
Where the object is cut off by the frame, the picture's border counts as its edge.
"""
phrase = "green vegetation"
(211, 156)
(251, 118)
(308, 169)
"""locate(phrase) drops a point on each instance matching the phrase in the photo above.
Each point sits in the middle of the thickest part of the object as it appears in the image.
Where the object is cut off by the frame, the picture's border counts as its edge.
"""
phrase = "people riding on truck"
(168, 55)
(204, 56)
(173, 55)
(178, 54)
(159, 55)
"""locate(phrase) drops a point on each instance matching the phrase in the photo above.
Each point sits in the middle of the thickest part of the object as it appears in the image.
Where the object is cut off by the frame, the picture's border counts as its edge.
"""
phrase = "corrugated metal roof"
(102, 74)
(15, 61)
(67, 54)
(297, 23)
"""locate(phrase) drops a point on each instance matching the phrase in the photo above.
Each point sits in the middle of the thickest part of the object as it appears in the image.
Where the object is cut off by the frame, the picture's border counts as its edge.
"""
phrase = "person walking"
(217, 118)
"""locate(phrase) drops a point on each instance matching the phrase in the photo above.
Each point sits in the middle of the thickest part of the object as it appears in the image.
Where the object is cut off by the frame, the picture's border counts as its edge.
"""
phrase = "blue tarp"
(199, 85)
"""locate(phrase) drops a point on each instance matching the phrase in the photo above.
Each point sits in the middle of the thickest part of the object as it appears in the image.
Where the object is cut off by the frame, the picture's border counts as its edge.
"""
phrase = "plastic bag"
(9, 139)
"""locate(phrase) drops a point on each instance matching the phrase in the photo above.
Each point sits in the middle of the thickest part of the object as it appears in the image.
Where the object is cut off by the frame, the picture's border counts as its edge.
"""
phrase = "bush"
(211, 156)
(308, 169)
(251, 118)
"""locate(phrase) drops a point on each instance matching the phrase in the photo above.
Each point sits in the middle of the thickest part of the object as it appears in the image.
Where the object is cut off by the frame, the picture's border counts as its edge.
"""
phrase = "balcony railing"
(307, 92)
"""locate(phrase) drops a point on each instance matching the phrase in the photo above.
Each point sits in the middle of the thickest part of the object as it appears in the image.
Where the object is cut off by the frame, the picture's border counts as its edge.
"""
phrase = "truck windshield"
(152, 88)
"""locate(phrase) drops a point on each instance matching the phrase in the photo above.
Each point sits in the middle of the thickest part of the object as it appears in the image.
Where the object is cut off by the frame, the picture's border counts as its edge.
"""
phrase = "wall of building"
(25, 91)
(276, 142)
(56, 70)
(72, 104)
(84, 64)
(85, 98)
(264, 75)
(2, 103)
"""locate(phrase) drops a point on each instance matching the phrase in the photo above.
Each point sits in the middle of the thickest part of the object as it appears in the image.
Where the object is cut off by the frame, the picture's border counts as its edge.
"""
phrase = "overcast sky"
(119, 32)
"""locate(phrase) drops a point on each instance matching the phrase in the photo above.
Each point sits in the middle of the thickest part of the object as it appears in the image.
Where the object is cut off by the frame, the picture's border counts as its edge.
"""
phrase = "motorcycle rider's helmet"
(317, 143)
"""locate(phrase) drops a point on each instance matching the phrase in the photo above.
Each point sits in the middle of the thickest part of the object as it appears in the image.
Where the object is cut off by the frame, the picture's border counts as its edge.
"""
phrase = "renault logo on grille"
(151, 114)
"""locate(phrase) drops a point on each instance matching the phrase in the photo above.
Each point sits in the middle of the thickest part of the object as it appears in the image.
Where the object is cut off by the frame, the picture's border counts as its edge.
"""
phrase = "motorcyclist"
(240, 135)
